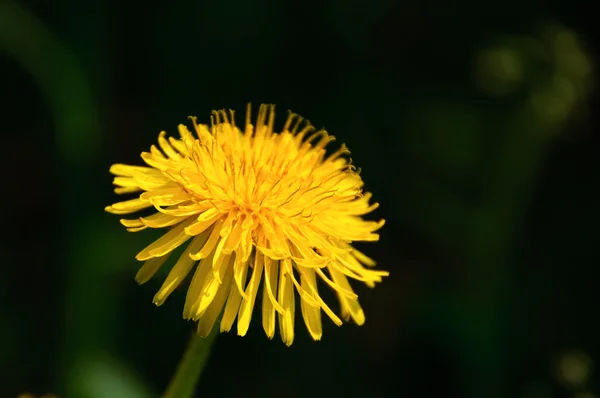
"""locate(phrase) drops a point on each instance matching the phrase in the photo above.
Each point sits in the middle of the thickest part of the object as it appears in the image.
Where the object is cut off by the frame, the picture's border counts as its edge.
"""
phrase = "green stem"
(190, 367)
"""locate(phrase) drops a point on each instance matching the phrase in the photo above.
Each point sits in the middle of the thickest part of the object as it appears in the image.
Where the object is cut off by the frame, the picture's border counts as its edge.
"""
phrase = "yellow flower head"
(252, 202)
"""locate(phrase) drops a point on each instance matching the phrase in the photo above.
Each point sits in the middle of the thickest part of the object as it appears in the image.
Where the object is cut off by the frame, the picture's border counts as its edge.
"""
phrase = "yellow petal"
(194, 292)
(227, 225)
(166, 147)
(268, 312)
(126, 170)
(234, 237)
(235, 298)
(149, 268)
(312, 288)
(369, 262)
(245, 313)
(310, 313)
(134, 223)
(185, 133)
(125, 182)
(271, 277)
(160, 220)
(203, 221)
(155, 160)
(128, 206)
(207, 321)
(185, 209)
(166, 196)
(303, 249)
(179, 146)
(246, 241)
(179, 271)
(158, 154)
(347, 293)
(210, 243)
(240, 266)
(151, 181)
(169, 241)
(210, 288)
(219, 258)
(347, 265)
(136, 229)
(304, 295)
(286, 298)
(350, 307)
(126, 190)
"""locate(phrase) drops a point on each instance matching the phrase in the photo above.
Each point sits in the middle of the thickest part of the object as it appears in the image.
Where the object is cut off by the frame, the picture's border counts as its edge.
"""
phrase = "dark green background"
(474, 124)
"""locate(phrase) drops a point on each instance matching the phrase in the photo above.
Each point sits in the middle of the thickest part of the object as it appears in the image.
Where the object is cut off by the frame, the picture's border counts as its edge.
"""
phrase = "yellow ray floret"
(256, 208)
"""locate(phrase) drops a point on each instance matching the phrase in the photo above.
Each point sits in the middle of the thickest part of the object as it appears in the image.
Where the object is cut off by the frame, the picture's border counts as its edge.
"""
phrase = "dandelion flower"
(253, 206)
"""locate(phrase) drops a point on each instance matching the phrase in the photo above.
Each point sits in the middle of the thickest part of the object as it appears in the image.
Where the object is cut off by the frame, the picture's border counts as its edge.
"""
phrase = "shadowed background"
(475, 127)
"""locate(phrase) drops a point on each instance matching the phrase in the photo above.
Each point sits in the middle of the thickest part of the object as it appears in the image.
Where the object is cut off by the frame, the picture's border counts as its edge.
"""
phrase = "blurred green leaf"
(60, 77)
(99, 375)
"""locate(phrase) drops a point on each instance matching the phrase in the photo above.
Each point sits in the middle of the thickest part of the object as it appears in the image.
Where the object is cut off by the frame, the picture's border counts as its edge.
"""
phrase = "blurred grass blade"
(60, 77)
